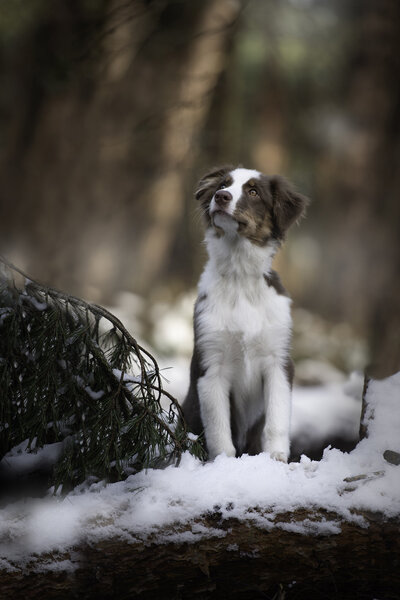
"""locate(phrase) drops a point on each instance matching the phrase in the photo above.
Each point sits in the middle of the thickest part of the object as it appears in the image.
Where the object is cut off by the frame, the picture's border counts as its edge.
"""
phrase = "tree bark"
(247, 563)
(363, 422)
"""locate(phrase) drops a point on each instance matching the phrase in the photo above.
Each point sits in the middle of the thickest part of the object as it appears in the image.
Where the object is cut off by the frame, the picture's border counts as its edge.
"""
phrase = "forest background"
(110, 111)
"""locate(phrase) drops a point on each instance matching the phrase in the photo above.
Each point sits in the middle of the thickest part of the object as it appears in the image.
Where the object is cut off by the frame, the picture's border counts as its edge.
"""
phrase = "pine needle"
(70, 372)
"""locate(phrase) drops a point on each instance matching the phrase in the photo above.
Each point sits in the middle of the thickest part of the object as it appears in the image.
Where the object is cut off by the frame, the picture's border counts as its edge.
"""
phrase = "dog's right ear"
(211, 180)
(288, 205)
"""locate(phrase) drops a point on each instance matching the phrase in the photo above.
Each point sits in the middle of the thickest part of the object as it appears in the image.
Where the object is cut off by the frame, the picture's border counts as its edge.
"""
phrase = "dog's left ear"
(288, 205)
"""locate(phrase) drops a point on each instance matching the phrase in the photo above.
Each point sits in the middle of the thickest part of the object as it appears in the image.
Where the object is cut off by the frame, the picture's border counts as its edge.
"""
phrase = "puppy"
(241, 372)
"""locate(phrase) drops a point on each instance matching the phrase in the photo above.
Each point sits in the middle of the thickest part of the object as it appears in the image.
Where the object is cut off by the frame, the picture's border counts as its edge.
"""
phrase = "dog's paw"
(225, 450)
(229, 451)
(281, 456)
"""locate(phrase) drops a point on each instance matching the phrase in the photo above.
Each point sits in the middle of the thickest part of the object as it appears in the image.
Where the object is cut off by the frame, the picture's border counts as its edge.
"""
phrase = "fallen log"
(247, 563)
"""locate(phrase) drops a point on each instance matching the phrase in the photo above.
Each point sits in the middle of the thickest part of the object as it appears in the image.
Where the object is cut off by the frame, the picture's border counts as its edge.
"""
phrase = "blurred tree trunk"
(363, 189)
(165, 196)
(110, 99)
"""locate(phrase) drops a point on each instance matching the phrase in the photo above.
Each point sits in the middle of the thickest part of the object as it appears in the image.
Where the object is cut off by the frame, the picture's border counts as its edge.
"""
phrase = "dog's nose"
(222, 198)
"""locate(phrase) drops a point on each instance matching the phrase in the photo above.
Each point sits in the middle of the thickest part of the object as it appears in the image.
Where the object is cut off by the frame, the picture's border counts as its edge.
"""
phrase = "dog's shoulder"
(273, 280)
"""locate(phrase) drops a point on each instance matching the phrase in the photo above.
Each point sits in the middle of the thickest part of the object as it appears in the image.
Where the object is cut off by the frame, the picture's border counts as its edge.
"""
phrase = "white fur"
(244, 330)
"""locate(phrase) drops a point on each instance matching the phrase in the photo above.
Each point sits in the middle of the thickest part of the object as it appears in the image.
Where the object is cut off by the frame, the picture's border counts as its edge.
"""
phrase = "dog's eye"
(253, 192)
(222, 186)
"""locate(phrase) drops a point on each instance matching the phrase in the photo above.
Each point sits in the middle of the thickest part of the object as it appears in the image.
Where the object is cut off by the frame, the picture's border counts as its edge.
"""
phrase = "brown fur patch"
(253, 213)
(191, 405)
(273, 280)
(288, 205)
(207, 187)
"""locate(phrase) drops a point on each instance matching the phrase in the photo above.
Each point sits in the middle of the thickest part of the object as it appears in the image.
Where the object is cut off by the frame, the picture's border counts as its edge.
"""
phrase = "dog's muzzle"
(222, 198)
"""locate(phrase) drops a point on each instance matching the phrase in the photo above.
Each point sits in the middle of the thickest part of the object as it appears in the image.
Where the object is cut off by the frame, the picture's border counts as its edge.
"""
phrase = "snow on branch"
(71, 373)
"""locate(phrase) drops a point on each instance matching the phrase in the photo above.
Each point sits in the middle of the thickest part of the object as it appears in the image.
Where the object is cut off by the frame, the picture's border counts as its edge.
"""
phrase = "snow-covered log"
(246, 563)
(235, 528)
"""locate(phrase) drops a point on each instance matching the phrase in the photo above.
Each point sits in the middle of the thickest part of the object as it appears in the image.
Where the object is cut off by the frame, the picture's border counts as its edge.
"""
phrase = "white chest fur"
(237, 300)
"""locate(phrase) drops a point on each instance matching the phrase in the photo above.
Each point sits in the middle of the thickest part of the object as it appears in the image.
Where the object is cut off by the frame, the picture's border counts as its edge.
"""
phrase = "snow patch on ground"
(325, 412)
(255, 489)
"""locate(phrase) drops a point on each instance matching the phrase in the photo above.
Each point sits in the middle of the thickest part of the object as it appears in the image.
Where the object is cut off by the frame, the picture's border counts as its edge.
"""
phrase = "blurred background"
(111, 110)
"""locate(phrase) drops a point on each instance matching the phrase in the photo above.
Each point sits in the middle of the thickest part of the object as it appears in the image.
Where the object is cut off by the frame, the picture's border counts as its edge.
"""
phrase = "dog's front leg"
(213, 393)
(277, 394)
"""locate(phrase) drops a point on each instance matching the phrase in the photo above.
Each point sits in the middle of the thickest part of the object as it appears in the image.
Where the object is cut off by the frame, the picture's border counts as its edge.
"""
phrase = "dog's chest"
(242, 320)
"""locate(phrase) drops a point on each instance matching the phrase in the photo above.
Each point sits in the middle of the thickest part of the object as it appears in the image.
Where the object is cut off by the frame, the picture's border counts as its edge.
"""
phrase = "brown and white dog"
(241, 372)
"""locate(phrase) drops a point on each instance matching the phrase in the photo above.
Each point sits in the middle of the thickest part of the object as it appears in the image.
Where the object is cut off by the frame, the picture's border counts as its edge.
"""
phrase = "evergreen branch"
(104, 313)
(64, 381)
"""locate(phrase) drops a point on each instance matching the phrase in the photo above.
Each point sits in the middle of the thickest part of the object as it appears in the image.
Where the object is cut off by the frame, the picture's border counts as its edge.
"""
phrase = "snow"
(19, 461)
(325, 412)
(36, 303)
(169, 503)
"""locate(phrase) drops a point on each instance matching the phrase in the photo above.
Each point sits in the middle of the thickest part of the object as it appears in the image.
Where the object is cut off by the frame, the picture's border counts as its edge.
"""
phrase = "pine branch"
(66, 377)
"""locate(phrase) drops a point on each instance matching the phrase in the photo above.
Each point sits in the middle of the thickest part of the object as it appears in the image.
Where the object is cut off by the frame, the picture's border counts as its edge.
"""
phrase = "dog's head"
(246, 202)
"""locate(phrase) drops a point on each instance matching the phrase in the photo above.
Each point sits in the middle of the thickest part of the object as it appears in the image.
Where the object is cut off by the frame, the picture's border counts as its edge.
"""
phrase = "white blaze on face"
(239, 177)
